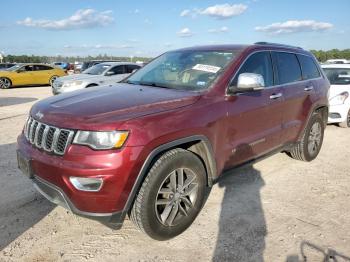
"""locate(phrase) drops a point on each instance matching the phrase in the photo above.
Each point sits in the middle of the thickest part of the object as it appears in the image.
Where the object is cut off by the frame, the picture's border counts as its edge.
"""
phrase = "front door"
(255, 117)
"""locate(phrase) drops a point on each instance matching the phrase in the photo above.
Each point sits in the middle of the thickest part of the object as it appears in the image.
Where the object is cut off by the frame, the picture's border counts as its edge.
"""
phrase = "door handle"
(276, 96)
(308, 88)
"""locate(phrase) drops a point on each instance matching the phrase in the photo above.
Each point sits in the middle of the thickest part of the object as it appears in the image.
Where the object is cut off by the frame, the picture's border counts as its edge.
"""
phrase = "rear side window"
(259, 63)
(308, 67)
(288, 68)
(42, 67)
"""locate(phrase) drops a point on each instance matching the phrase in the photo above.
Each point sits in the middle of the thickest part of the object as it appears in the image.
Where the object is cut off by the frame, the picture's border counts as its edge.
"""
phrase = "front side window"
(338, 76)
(185, 70)
(131, 68)
(117, 70)
(308, 67)
(258, 63)
(42, 67)
(288, 68)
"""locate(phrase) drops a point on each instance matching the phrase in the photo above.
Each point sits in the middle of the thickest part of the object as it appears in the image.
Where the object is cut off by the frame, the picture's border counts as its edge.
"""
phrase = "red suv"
(150, 147)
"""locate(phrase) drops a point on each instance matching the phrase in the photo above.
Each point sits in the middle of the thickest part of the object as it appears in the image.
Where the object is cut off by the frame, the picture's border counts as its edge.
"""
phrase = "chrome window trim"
(273, 86)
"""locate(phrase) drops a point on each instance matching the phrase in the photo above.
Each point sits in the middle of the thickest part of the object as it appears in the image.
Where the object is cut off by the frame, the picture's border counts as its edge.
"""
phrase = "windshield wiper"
(152, 84)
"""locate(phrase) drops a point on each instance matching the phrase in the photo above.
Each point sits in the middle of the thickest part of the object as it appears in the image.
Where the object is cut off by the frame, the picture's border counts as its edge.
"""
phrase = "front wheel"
(346, 123)
(171, 196)
(52, 79)
(5, 83)
(310, 145)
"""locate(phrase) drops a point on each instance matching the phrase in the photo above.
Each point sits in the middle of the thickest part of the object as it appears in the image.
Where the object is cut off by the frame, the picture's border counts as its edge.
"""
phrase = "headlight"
(339, 99)
(101, 140)
(72, 83)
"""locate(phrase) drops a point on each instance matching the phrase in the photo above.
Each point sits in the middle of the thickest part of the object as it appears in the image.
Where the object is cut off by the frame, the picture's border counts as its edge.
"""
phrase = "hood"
(337, 89)
(78, 77)
(105, 108)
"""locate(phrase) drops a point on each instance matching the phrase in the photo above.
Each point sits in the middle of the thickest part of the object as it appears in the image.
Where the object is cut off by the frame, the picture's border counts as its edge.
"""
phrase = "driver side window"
(258, 63)
(117, 70)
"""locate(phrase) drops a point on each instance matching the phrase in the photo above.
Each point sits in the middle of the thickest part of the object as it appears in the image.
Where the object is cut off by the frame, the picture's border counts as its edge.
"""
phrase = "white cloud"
(294, 26)
(223, 29)
(147, 21)
(224, 11)
(185, 12)
(84, 18)
(185, 32)
(99, 47)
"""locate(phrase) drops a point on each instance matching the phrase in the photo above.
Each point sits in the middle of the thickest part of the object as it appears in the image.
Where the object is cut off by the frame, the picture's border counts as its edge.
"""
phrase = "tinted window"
(130, 68)
(28, 68)
(308, 67)
(117, 70)
(338, 76)
(259, 63)
(41, 67)
(288, 68)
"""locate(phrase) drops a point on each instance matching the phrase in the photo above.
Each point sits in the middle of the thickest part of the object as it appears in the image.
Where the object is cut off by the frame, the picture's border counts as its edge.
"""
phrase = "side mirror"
(20, 70)
(250, 81)
(109, 73)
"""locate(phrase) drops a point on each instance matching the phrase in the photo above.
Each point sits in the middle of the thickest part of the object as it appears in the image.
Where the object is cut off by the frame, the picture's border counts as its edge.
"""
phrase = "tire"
(346, 123)
(159, 209)
(310, 145)
(5, 83)
(52, 79)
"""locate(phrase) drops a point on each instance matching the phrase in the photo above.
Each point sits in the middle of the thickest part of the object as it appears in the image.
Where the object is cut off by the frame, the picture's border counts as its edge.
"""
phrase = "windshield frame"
(236, 52)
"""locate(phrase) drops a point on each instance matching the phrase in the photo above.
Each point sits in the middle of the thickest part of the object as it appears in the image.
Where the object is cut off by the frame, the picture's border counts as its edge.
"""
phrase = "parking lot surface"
(278, 209)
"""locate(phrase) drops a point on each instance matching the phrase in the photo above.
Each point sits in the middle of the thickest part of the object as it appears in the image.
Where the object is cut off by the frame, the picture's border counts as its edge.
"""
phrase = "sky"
(149, 28)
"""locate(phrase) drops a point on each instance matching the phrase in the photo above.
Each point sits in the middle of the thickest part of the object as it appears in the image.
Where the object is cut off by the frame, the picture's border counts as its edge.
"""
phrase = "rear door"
(255, 117)
(298, 90)
(42, 74)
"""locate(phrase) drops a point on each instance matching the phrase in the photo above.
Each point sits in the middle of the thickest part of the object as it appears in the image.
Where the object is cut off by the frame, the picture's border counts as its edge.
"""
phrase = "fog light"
(86, 183)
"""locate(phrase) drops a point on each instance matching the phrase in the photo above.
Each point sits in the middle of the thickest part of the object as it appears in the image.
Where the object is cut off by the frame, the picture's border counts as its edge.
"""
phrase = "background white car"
(339, 101)
(107, 73)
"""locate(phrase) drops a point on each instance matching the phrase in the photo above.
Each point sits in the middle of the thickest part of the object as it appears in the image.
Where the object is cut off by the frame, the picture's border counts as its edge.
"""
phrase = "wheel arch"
(198, 144)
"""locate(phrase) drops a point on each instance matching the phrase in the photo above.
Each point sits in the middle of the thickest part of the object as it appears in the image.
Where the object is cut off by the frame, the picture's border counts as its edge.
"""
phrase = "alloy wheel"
(314, 138)
(176, 196)
(4, 83)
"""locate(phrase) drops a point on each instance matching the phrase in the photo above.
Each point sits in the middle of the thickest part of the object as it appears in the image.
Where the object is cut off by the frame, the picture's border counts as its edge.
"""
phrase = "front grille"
(49, 138)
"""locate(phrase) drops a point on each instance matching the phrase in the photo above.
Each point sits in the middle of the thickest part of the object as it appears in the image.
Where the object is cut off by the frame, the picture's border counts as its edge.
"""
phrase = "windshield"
(14, 68)
(187, 70)
(97, 69)
(338, 76)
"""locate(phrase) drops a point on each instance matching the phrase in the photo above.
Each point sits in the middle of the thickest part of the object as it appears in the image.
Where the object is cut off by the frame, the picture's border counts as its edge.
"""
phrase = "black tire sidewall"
(153, 226)
(315, 118)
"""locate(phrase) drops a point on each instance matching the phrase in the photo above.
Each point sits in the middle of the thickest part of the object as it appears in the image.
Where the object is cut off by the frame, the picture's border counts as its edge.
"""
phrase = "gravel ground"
(276, 210)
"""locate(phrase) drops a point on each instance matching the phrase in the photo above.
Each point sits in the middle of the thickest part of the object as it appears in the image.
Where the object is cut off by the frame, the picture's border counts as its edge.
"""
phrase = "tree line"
(321, 56)
(69, 59)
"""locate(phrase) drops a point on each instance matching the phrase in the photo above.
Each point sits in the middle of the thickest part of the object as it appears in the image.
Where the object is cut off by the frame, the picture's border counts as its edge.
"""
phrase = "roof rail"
(276, 44)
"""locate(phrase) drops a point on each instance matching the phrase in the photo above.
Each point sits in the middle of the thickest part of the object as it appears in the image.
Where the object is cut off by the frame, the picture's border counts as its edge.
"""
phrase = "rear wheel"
(310, 145)
(346, 123)
(5, 83)
(171, 196)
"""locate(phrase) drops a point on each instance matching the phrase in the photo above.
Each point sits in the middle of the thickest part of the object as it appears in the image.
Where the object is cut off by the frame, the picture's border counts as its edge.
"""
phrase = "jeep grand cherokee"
(151, 147)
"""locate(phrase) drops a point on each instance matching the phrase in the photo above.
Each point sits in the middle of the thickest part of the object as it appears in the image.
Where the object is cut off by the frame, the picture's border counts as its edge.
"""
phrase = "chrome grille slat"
(49, 138)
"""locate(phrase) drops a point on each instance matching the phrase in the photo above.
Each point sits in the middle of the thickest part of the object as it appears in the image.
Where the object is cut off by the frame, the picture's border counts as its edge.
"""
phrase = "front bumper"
(58, 197)
(338, 113)
(118, 168)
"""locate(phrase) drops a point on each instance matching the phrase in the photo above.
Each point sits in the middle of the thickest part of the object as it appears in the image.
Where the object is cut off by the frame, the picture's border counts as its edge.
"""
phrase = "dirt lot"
(276, 210)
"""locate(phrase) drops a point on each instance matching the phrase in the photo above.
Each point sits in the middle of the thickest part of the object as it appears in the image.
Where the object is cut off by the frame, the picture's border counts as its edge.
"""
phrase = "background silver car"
(107, 73)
